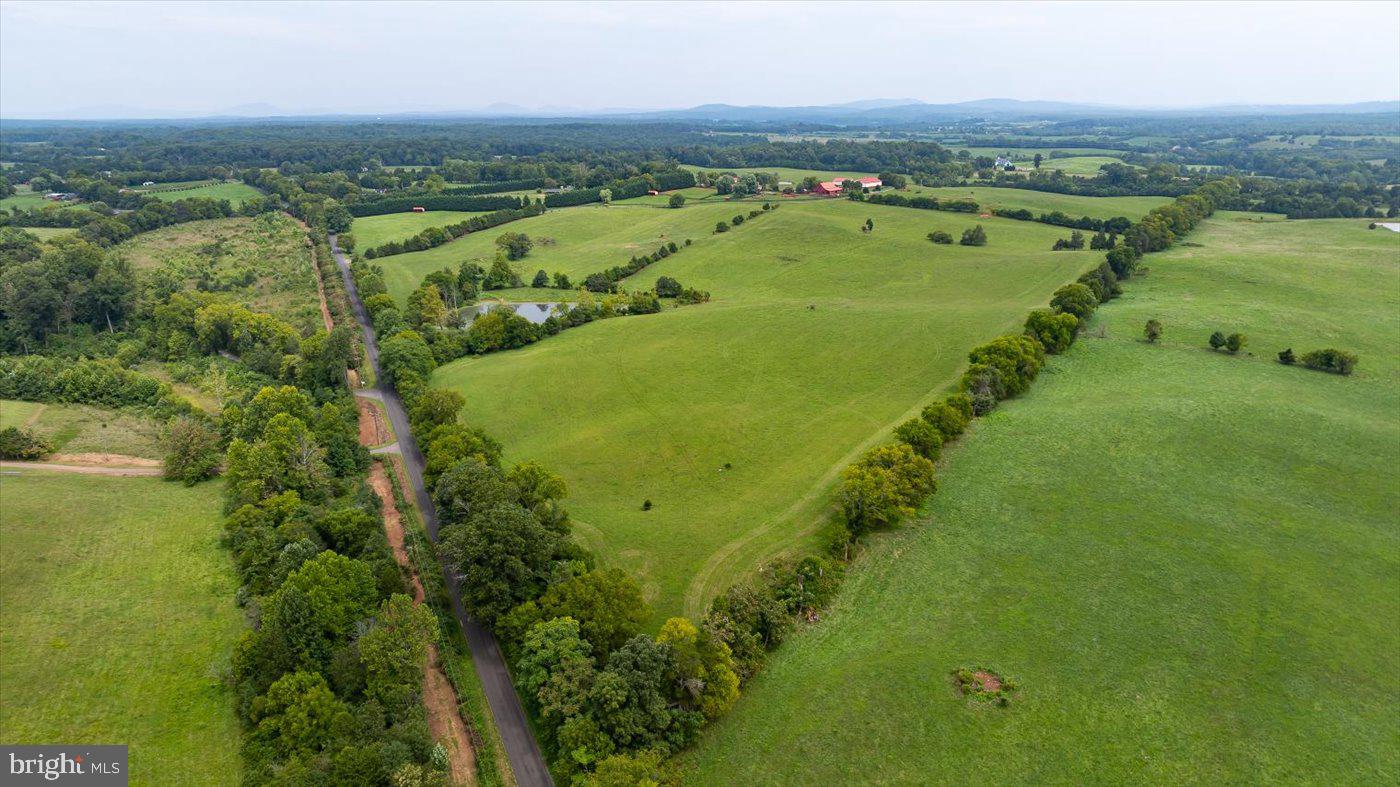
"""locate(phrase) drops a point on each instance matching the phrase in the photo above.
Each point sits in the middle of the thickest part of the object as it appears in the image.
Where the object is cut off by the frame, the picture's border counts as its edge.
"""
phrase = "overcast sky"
(60, 59)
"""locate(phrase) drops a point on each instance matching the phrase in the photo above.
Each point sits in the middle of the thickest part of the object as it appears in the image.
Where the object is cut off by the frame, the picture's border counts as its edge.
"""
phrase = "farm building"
(1004, 163)
(831, 188)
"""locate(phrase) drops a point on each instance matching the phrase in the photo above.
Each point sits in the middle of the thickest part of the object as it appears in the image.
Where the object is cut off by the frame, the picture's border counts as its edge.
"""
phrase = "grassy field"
(577, 241)
(117, 622)
(735, 417)
(80, 429)
(372, 231)
(1077, 165)
(1188, 560)
(1045, 202)
(235, 192)
(273, 247)
(46, 233)
(25, 198)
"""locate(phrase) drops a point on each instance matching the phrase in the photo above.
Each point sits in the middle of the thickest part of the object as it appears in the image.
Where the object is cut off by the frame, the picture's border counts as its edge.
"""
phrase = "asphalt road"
(521, 748)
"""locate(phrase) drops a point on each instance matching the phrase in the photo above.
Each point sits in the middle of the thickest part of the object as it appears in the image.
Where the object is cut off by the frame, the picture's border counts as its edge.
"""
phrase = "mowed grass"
(117, 622)
(1188, 560)
(48, 233)
(273, 247)
(371, 231)
(235, 192)
(576, 241)
(1044, 202)
(80, 429)
(735, 417)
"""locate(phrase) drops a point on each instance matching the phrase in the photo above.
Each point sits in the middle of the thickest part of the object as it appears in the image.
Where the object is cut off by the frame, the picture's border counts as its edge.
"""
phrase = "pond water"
(534, 312)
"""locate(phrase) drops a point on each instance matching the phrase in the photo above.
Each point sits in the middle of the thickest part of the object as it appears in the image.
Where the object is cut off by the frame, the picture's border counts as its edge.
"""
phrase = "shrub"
(1217, 340)
(192, 451)
(941, 237)
(676, 201)
(976, 236)
(1235, 342)
(541, 279)
(1287, 358)
(884, 487)
(667, 287)
(1053, 330)
(1330, 360)
(22, 444)
(1152, 330)
(920, 435)
(1076, 299)
(949, 420)
(721, 227)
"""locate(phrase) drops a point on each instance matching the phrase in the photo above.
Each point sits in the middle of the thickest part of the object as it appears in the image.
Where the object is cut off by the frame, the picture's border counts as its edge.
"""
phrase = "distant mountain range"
(869, 111)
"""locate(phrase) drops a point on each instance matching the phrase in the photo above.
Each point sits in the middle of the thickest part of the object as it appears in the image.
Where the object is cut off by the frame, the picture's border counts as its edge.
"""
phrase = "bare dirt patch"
(445, 722)
(374, 431)
(984, 685)
(84, 469)
(103, 460)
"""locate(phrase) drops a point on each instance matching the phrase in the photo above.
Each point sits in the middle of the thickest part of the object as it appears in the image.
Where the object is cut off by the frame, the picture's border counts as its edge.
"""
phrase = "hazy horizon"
(183, 60)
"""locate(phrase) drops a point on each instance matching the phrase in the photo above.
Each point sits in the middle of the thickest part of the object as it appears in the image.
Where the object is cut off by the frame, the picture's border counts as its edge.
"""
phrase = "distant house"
(419, 209)
(652, 192)
(61, 196)
(149, 183)
(1004, 163)
(830, 188)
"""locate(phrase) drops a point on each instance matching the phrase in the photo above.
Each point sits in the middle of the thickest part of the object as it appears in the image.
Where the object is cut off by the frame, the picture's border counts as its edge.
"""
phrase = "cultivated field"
(377, 230)
(735, 417)
(262, 262)
(1187, 560)
(24, 197)
(117, 622)
(80, 429)
(585, 239)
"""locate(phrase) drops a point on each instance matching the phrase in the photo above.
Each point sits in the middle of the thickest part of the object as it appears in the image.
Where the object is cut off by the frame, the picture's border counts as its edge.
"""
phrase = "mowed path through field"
(735, 417)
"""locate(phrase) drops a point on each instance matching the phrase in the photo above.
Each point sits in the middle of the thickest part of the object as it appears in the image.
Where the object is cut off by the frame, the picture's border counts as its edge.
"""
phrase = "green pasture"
(795, 176)
(48, 233)
(371, 231)
(81, 429)
(117, 622)
(577, 241)
(736, 417)
(1188, 560)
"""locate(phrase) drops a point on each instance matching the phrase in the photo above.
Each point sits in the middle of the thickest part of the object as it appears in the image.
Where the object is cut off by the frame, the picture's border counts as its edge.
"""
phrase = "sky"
(157, 59)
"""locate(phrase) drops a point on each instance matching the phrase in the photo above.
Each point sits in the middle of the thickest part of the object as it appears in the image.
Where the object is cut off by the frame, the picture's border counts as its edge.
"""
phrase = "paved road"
(521, 748)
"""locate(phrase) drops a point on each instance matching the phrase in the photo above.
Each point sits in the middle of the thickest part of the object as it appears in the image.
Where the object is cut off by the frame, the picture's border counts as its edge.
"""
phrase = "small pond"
(534, 312)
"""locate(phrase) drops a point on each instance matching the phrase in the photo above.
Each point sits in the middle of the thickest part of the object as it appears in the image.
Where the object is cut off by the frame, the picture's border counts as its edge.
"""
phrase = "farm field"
(1187, 560)
(373, 231)
(24, 197)
(740, 413)
(81, 429)
(117, 622)
(1027, 154)
(1087, 166)
(586, 239)
(1045, 202)
(235, 192)
(263, 262)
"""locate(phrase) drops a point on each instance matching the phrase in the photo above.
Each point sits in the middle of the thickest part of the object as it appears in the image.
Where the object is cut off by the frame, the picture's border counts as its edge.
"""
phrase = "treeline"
(1116, 225)
(497, 187)
(110, 227)
(444, 201)
(101, 382)
(436, 236)
(954, 204)
(624, 189)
